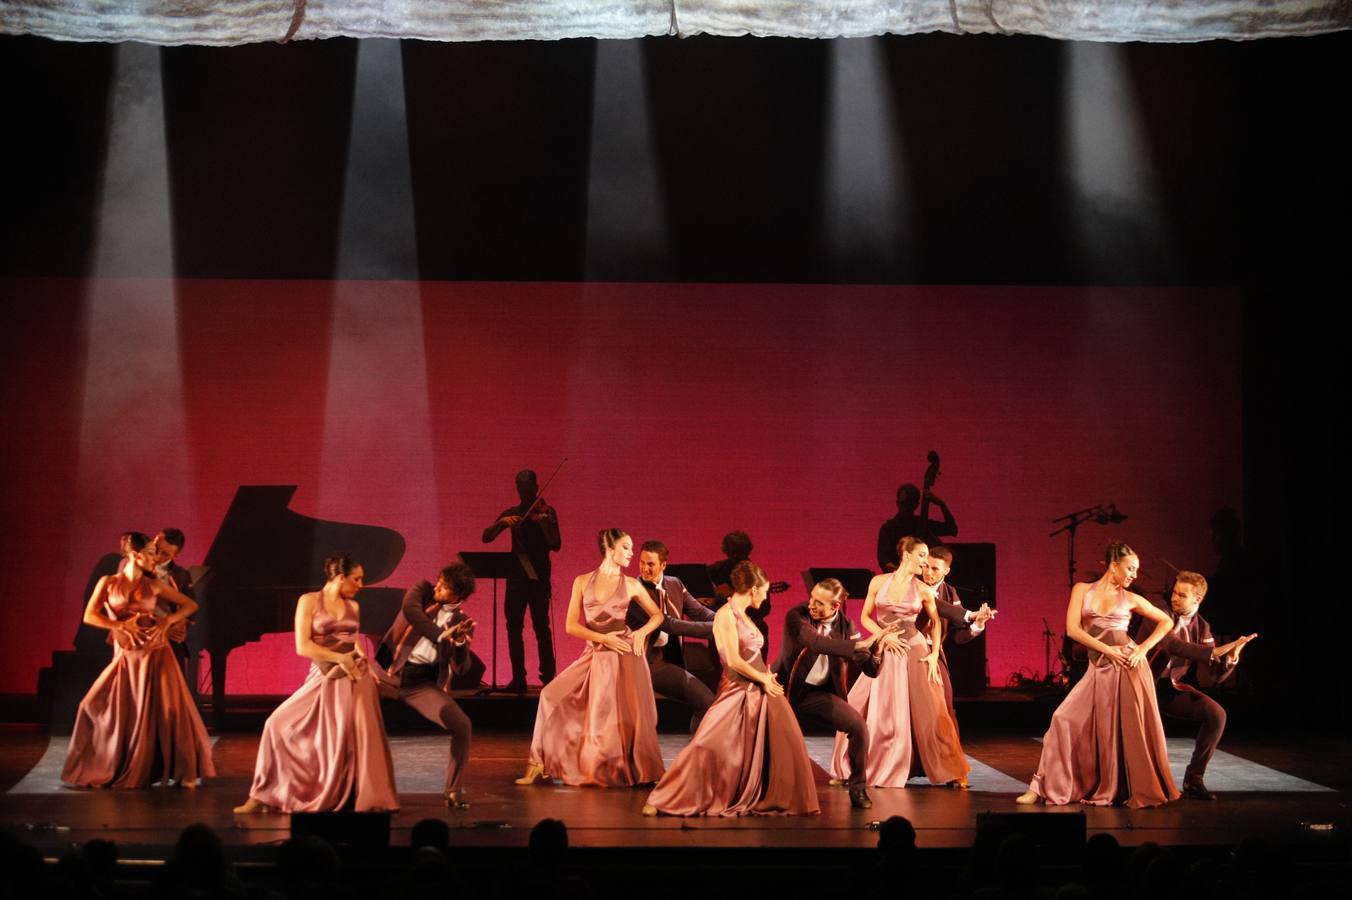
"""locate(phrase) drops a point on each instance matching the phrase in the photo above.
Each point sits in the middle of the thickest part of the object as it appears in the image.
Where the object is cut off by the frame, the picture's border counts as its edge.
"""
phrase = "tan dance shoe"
(456, 800)
(1028, 798)
(534, 772)
(252, 807)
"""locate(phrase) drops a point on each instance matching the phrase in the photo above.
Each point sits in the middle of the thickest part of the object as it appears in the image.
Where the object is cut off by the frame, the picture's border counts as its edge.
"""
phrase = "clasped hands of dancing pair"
(325, 747)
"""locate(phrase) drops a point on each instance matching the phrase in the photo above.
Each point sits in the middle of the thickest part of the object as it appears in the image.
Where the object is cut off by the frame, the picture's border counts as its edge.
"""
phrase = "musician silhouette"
(535, 534)
(907, 523)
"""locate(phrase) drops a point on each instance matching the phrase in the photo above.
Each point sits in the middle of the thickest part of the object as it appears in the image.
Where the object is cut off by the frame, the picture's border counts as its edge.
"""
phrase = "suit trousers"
(670, 680)
(418, 689)
(822, 706)
(1196, 707)
(532, 595)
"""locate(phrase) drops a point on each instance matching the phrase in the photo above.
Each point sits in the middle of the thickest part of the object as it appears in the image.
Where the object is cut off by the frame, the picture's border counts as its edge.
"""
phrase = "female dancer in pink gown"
(1106, 742)
(748, 755)
(325, 748)
(904, 705)
(597, 721)
(138, 722)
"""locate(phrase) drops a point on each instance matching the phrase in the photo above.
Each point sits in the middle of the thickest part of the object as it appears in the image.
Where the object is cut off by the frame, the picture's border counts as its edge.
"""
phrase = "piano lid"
(262, 543)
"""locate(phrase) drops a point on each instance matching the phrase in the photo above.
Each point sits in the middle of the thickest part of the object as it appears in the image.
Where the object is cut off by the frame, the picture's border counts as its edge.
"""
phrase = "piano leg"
(218, 688)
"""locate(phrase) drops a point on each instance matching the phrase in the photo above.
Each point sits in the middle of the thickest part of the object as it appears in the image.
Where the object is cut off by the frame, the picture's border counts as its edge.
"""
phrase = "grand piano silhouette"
(264, 556)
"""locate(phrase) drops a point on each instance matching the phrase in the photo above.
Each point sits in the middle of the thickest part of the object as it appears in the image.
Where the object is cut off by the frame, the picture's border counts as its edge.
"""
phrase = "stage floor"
(1265, 788)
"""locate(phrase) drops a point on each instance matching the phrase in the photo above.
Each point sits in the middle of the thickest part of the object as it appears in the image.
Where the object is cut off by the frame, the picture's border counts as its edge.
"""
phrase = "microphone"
(1105, 515)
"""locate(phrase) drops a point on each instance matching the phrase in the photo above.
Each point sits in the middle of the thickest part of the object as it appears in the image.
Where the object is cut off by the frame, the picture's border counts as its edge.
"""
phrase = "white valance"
(228, 22)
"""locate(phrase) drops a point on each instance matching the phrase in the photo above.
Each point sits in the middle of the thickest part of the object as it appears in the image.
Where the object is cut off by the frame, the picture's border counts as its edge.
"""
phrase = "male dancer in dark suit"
(818, 648)
(428, 642)
(1185, 664)
(670, 656)
(168, 544)
(964, 625)
(533, 539)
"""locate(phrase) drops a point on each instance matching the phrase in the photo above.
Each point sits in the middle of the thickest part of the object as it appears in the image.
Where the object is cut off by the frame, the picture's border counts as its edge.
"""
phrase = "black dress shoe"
(514, 687)
(859, 797)
(1196, 790)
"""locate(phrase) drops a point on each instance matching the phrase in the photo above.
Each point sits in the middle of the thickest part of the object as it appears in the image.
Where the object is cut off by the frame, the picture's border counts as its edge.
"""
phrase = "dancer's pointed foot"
(534, 772)
(959, 784)
(456, 799)
(650, 810)
(1028, 798)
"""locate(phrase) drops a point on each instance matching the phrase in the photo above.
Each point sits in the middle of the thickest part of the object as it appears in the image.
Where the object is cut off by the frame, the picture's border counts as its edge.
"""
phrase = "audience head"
(201, 855)
(548, 843)
(433, 833)
(896, 842)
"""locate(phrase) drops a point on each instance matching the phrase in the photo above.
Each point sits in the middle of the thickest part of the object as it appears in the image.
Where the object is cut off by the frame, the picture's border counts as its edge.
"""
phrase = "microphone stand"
(1103, 514)
(1047, 637)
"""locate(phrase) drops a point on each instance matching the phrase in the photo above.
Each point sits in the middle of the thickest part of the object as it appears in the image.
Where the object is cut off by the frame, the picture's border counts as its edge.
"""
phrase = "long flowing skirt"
(325, 749)
(138, 724)
(908, 723)
(746, 758)
(597, 722)
(1106, 743)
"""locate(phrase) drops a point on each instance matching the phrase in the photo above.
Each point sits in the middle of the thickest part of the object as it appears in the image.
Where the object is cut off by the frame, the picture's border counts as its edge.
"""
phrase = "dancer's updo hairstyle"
(607, 538)
(907, 544)
(339, 565)
(132, 542)
(747, 576)
(1116, 552)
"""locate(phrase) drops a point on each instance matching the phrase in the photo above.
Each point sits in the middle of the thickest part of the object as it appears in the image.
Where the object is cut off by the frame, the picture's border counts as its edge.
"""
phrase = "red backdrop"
(791, 412)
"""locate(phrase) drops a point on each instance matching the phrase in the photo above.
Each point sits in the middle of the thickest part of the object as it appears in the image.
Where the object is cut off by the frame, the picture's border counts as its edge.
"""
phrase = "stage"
(1274, 789)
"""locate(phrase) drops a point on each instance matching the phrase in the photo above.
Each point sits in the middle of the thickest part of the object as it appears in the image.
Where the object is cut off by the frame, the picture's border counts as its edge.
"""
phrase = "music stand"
(495, 566)
(695, 577)
(855, 580)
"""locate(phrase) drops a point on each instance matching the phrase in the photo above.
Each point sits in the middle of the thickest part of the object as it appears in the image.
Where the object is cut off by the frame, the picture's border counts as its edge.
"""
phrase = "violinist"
(535, 534)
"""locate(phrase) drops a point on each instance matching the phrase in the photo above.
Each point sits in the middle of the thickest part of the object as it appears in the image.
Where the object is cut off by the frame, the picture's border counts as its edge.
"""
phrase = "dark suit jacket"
(183, 584)
(802, 646)
(416, 620)
(1194, 644)
(954, 615)
(682, 617)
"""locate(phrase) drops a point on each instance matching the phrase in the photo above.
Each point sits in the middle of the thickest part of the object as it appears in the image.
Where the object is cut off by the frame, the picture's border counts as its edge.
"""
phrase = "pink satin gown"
(748, 755)
(325, 747)
(138, 723)
(597, 721)
(1106, 742)
(907, 716)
